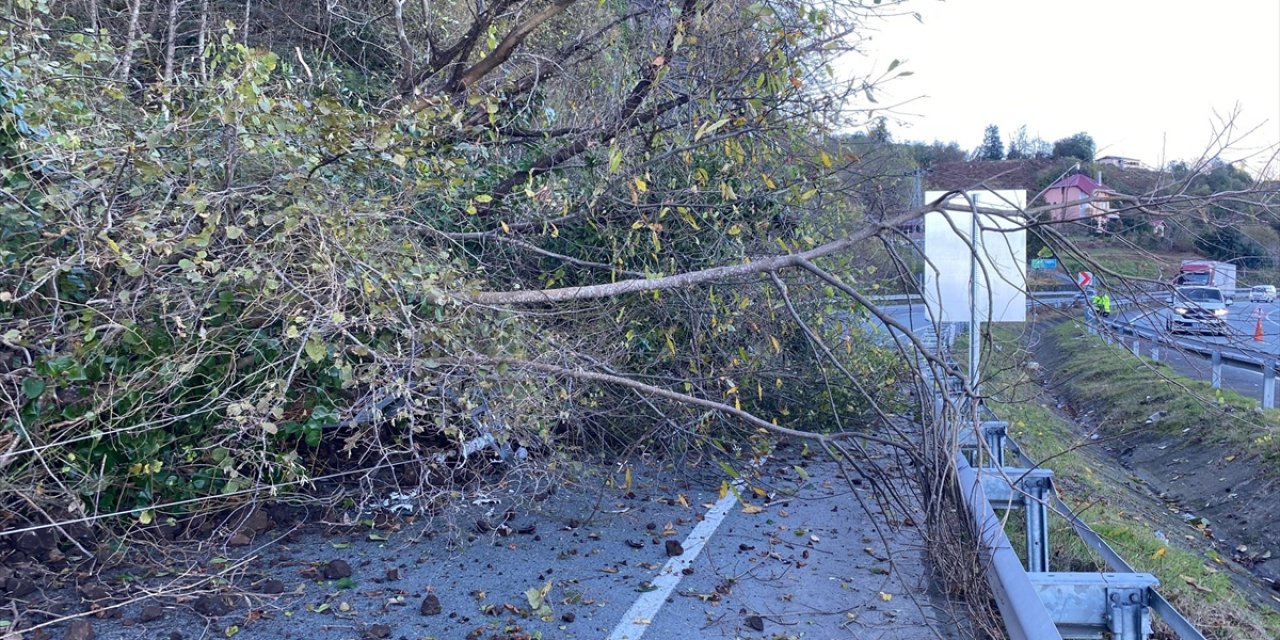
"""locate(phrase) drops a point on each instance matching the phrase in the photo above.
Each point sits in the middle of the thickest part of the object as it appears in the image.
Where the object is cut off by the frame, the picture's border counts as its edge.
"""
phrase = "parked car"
(1262, 293)
(1199, 310)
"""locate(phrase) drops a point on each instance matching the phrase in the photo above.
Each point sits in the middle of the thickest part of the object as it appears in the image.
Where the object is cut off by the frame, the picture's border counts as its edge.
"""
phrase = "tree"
(936, 152)
(1019, 145)
(1079, 146)
(992, 148)
(307, 239)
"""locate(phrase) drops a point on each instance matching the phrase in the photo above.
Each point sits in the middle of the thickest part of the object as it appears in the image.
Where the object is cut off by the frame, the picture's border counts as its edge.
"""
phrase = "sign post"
(976, 263)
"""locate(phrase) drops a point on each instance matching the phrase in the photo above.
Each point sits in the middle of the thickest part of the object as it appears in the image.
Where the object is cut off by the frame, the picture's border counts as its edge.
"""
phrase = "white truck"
(1208, 273)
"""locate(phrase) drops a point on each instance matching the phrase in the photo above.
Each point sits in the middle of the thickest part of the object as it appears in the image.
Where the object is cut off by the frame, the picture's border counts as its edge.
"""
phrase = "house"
(1121, 161)
(1079, 195)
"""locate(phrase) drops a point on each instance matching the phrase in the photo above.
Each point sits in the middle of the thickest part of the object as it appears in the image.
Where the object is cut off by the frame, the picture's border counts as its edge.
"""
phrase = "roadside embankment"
(1175, 475)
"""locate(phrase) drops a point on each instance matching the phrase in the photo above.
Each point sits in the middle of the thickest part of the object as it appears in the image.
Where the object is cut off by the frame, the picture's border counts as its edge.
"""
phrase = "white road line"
(646, 607)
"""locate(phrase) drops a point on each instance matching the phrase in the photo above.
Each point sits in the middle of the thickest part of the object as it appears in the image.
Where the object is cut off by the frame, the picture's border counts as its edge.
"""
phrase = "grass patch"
(1127, 262)
(1201, 591)
(1128, 390)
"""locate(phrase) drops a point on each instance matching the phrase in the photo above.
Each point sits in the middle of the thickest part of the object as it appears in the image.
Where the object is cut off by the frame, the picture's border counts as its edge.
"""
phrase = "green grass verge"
(1199, 589)
(1128, 390)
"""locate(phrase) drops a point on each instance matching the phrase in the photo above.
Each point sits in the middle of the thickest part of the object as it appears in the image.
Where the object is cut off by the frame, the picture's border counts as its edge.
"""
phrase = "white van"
(1262, 293)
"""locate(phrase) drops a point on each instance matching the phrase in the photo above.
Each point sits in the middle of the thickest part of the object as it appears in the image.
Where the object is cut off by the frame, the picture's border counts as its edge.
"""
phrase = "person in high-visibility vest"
(1101, 304)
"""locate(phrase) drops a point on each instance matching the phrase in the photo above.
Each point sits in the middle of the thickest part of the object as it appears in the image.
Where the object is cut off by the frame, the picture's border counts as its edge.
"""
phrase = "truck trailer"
(1208, 273)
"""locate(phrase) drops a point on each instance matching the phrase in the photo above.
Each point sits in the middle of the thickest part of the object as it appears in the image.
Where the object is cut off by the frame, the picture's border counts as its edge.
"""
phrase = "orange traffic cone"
(1257, 331)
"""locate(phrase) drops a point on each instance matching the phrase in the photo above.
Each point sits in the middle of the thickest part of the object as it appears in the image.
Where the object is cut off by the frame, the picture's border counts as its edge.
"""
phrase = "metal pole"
(1037, 516)
(1268, 383)
(974, 320)
(1216, 360)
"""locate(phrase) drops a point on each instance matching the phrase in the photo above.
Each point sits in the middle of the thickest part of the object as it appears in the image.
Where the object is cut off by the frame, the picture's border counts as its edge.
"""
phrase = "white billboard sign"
(1001, 265)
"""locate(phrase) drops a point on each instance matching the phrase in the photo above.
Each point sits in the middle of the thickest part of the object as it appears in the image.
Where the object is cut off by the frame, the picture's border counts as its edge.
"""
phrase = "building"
(1121, 161)
(1080, 198)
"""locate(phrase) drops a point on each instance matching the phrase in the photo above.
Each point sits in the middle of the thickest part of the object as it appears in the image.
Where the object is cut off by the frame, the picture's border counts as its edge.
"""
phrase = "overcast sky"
(1147, 79)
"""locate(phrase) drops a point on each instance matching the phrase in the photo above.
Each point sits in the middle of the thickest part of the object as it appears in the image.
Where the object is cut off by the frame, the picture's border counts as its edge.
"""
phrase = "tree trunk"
(248, 11)
(200, 40)
(126, 60)
(170, 44)
(406, 50)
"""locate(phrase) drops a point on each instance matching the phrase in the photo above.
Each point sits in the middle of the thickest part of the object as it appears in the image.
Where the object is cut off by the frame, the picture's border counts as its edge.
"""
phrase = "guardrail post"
(1130, 619)
(1155, 351)
(1137, 347)
(1268, 384)
(1037, 514)
(1216, 360)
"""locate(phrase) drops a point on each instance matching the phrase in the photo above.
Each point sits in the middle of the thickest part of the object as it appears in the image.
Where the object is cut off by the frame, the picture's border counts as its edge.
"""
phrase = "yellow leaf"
(505, 228)
(1159, 553)
(724, 488)
(146, 516)
(826, 159)
(777, 346)
(751, 508)
(483, 198)
(768, 182)
(641, 185)
(626, 482)
(886, 596)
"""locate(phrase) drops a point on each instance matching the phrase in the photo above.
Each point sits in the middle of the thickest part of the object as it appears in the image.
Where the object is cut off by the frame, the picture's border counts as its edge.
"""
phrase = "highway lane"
(1241, 319)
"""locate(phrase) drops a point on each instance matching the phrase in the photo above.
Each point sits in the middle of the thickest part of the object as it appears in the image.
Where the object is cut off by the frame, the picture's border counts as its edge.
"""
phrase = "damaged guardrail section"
(1035, 602)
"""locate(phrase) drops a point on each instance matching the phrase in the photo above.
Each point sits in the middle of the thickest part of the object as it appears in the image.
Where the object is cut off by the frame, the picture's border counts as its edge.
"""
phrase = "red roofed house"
(1075, 193)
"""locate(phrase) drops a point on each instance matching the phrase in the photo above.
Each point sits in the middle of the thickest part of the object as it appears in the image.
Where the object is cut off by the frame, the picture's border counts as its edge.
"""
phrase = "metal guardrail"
(1266, 363)
(1035, 603)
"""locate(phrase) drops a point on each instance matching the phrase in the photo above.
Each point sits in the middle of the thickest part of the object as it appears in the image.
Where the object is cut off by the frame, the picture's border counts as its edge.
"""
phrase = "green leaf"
(345, 583)
(32, 388)
(615, 158)
(316, 350)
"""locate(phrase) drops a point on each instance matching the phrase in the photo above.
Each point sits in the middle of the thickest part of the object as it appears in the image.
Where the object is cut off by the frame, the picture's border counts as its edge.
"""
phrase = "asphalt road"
(1242, 319)
(795, 552)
